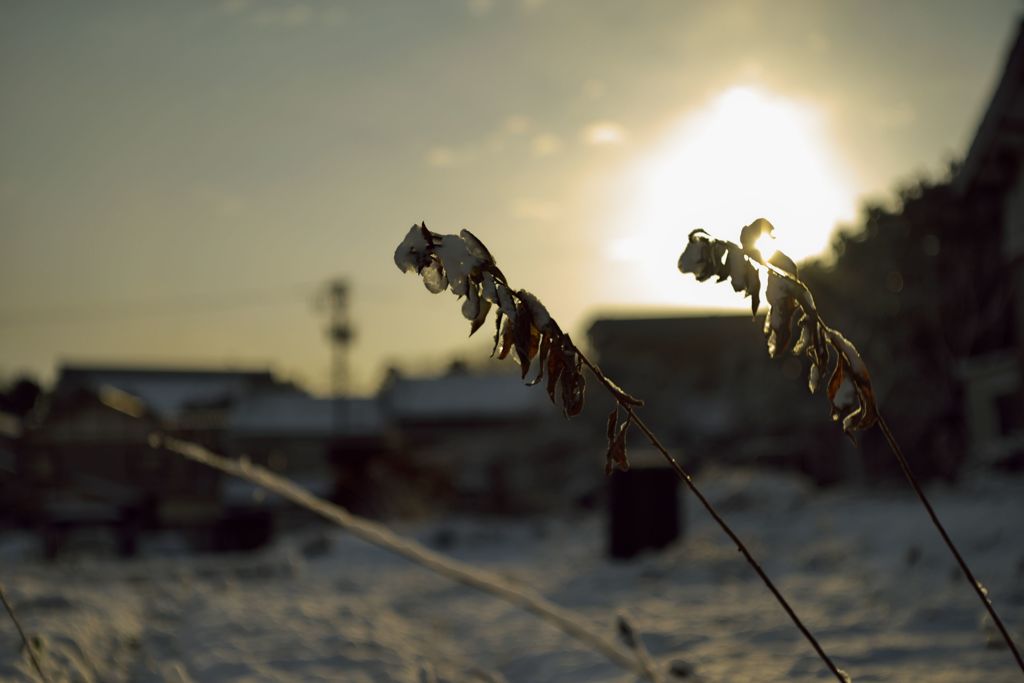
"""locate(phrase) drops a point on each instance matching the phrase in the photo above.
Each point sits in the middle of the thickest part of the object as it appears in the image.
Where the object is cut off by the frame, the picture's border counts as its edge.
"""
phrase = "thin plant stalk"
(692, 485)
(978, 587)
(24, 638)
(376, 534)
(463, 264)
(703, 257)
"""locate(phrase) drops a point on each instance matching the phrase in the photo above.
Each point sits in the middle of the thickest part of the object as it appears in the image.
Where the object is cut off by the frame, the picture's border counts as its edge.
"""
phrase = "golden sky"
(177, 179)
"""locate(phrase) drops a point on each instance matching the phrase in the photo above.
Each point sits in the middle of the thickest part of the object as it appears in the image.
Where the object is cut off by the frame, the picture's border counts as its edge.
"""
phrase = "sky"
(179, 181)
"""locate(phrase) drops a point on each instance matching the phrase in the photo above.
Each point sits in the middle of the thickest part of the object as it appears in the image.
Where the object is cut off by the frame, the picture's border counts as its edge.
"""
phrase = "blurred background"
(199, 204)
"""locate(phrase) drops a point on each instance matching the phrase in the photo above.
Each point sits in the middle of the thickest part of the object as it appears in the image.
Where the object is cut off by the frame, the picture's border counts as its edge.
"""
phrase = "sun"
(746, 154)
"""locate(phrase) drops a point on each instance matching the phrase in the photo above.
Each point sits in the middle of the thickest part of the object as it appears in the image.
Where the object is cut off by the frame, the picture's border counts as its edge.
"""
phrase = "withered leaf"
(616, 458)
(505, 300)
(526, 337)
(613, 419)
(573, 382)
(813, 377)
(542, 358)
(859, 411)
(497, 331)
(481, 317)
(507, 338)
(476, 247)
(556, 364)
(471, 306)
(750, 234)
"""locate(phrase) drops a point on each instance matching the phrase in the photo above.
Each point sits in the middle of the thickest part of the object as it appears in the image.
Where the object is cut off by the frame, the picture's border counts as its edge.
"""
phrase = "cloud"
(441, 157)
(545, 144)
(535, 210)
(604, 133)
(516, 125)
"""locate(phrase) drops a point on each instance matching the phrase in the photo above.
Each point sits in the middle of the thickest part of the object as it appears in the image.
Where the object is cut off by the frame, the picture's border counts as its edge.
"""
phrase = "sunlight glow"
(748, 154)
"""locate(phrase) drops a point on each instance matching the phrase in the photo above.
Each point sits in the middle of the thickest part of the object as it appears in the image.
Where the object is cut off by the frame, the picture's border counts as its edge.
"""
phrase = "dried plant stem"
(688, 480)
(978, 588)
(24, 638)
(377, 534)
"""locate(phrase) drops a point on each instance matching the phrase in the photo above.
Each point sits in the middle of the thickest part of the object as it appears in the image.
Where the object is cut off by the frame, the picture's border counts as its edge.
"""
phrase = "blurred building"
(84, 458)
(993, 175)
(491, 444)
(713, 394)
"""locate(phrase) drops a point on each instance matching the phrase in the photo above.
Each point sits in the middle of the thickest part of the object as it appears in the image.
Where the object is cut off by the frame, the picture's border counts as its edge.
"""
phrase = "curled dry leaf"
(781, 295)
(750, 234)
(849, 391)
(616, 457)
(707, 257)
(464, 265)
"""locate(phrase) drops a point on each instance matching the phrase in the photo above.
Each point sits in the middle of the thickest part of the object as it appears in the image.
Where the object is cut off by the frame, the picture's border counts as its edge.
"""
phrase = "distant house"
(490, 443)
(993, 175)
(85, 457)
(190, 400)
(712, 392)
(326, 445)
(10, 431)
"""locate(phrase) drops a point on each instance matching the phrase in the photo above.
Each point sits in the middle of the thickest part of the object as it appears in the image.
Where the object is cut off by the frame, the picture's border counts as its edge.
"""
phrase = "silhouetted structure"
(491, 444)
(712, 392)
(993, 174)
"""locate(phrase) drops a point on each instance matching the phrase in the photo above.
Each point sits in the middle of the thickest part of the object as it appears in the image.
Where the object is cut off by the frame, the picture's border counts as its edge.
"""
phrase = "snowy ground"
(863, 568)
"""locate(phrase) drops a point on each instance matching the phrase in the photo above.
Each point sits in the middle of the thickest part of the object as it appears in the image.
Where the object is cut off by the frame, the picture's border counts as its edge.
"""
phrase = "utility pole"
(334, 298)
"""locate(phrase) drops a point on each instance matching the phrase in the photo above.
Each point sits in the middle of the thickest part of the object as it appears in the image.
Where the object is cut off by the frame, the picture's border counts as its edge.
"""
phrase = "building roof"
(464, 397)
(166, 391)
(299, 415)
(678, 334)
(998, 145)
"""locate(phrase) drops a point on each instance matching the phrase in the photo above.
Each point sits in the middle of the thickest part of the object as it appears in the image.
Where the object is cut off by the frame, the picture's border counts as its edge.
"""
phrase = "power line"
(177, 305)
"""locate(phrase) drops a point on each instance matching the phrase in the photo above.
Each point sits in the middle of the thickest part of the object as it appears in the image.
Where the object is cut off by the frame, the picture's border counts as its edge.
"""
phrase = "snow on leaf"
(434, 278)
(538, 313)
(471, 306)
(459, 263)
(489, 288)
(413, 249)
(505, 300)
(476, 247)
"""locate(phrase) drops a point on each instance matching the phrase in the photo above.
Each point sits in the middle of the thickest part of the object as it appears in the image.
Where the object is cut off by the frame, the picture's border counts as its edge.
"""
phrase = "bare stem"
(975, 584)
(24, 638)
(688, 480)
(382, 537)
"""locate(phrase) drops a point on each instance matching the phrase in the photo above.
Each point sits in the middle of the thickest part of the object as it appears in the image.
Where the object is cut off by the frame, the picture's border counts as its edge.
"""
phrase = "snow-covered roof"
(168, 392)
(460, 397)
(295, 414)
